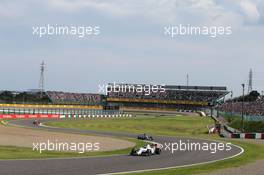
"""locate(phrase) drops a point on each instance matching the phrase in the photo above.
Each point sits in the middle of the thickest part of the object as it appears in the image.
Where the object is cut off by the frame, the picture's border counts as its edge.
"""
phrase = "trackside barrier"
(21, 116)
(247, 135)
(52, 106)
(233, 133)
(27, 116)
(96, 116)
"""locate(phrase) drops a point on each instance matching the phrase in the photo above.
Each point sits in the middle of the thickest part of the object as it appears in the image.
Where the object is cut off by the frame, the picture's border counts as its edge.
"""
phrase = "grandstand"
(51, 97)
(74, 98)
(52, 102)
(168, 97)
(252, 108)
(173, 97)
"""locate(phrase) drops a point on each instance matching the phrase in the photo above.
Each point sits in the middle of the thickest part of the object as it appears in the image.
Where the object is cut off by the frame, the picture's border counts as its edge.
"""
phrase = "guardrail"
(51, 106)
(58, 111)
(37, 116)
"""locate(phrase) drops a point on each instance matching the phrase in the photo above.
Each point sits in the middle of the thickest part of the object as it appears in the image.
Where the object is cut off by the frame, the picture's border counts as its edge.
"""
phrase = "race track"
(111, 164)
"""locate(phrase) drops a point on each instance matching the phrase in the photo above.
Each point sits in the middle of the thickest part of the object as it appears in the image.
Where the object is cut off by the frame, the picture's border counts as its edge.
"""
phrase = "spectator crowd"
(254, 108)
(188, 95)
(74, 98)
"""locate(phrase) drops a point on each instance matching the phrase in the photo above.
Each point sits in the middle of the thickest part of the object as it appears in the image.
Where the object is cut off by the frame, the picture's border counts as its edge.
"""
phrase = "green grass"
(13, 152)
(249, 126)
(156, 125)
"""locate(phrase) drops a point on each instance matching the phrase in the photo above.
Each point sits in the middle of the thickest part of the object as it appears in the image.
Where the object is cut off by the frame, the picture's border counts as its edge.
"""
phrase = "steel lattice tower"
(41, 80)
(250, 81)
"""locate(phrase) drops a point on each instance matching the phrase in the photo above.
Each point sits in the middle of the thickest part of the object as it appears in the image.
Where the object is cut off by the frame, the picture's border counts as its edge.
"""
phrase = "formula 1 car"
(144, 137)
(147, 150)
(36, 123)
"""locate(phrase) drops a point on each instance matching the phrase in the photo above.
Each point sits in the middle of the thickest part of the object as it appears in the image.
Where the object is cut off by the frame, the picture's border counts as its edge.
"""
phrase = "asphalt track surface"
(111, 164)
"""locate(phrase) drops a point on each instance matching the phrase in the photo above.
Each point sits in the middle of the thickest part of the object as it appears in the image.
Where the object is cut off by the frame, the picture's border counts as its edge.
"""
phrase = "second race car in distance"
(144, 137)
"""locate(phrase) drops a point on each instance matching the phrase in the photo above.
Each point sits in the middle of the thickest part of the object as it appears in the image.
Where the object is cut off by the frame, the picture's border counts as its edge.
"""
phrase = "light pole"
(232, 105)
(217, 109)
(242, 115)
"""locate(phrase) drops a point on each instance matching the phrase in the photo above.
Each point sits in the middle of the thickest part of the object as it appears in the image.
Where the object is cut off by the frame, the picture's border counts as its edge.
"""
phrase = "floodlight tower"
(242, 111)
(250, 81)
(41, 80)
(187, 81)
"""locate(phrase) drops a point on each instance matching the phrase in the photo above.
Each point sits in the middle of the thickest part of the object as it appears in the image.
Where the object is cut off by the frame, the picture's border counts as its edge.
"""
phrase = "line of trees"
(23, 97)
(252, 96)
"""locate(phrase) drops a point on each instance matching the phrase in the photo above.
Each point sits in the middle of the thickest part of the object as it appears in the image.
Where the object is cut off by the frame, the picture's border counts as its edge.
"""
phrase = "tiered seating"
(171, 93)
(74, 98)
(255, 108)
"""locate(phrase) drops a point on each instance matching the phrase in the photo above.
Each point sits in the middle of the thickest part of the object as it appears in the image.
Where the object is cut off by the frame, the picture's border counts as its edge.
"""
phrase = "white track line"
(46, 126)
(180, 166)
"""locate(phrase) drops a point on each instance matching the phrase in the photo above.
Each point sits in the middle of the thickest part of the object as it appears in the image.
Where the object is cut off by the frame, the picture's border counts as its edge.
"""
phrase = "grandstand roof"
(210, 88)
(179, 87)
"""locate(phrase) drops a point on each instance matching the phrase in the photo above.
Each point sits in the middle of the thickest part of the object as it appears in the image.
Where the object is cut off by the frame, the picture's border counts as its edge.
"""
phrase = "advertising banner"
(22, 116)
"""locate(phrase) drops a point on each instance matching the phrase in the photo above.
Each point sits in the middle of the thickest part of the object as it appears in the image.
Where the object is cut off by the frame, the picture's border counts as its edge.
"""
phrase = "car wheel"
(158, 151)
(149, 153)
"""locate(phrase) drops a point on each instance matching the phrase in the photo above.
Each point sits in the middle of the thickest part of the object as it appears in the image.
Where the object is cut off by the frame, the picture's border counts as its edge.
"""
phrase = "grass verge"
(156, 125)
(13, 152)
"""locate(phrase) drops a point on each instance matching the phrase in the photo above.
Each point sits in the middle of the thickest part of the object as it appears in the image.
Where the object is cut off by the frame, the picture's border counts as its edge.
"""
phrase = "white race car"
(147, 150)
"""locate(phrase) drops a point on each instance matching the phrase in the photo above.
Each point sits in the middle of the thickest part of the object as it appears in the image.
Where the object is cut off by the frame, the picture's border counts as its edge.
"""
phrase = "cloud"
(260, 8)
(209, 12)
(169, 11)
(250, 11)
(74, 6)
(10, 9)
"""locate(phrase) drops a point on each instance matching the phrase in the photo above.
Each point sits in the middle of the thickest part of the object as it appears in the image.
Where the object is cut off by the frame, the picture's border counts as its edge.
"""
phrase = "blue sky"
(132, 47)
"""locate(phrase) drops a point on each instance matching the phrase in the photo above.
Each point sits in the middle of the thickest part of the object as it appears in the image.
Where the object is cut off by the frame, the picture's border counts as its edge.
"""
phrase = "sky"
(131, 46)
